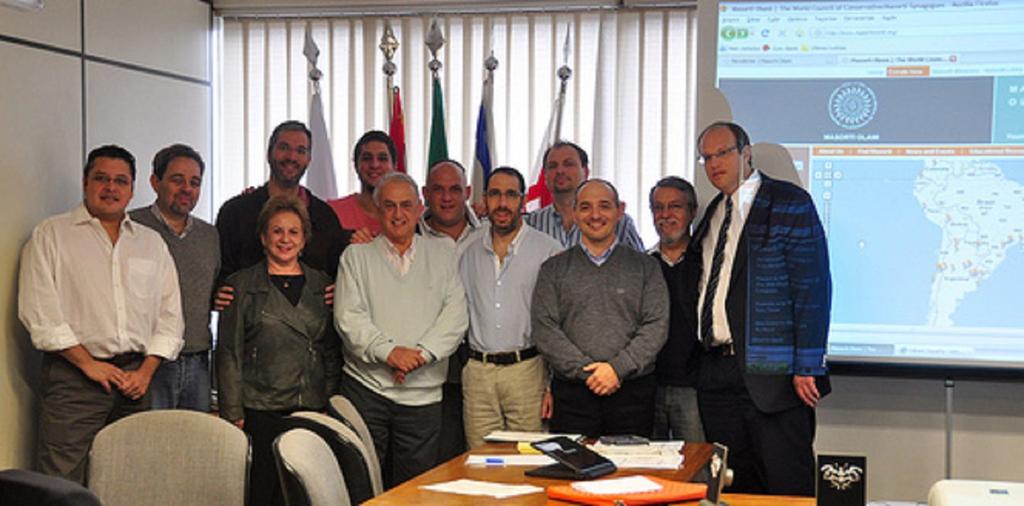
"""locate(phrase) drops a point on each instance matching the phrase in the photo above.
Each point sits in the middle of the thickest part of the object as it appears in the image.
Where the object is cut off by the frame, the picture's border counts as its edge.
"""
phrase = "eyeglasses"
(508, 194)
(672, 207)
(288, 148)
(706, 158)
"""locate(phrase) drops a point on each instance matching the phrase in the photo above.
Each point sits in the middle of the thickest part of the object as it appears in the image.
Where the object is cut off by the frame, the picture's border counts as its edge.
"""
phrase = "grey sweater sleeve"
(652, 327)
(561, 354)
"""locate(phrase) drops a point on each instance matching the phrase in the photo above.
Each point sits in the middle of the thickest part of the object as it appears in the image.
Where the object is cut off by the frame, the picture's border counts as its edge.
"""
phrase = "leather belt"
(124, 359)
(505, 357)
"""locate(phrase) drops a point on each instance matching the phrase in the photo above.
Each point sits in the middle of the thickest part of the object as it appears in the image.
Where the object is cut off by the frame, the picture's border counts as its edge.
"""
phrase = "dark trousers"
(769, 453)
(263, 427)
(406, 437)
(630, 410)
(453, 433)
(73, 409)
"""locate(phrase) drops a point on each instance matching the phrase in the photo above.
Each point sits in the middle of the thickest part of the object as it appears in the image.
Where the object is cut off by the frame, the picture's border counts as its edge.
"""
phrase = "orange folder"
(671, 491)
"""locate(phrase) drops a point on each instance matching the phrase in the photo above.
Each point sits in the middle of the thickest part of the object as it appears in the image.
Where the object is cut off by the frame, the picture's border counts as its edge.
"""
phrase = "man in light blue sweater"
(401, 311)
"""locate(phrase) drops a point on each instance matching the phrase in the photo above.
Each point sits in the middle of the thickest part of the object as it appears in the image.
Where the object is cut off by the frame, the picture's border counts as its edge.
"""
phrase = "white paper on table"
(667, 462)
(652, 448)
(511, 436)
(512, 459)
(475, 487)
(617, 486)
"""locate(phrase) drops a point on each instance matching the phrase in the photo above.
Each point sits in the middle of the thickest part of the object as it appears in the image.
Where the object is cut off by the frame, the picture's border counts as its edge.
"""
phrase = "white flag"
(320, 173)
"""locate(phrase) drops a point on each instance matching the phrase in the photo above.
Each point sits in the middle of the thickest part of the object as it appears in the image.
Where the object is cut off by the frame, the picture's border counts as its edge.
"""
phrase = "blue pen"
(494, 461)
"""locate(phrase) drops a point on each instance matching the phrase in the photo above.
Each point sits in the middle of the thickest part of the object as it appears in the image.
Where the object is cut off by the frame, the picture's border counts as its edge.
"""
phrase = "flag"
(397, 130)
(483, 159)
(320, 172)
(438, 139)
(538, 195)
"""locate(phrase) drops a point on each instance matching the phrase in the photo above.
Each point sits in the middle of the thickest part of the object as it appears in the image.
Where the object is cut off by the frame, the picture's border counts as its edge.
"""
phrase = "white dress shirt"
(719, 318)
(77, 288)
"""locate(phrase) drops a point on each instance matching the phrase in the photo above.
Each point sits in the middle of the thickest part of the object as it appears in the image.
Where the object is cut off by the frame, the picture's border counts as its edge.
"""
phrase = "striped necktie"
(706, 332)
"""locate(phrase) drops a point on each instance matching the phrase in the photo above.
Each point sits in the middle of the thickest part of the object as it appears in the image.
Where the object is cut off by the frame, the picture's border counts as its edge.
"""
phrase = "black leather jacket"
(272, 355)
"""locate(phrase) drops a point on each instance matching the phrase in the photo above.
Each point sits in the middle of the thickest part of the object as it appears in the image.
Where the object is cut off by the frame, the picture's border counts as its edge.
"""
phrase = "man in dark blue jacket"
(763, 299)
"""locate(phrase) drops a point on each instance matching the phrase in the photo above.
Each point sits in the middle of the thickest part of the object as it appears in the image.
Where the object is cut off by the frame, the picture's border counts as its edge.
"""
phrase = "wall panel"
(40, 138)
(143, 113)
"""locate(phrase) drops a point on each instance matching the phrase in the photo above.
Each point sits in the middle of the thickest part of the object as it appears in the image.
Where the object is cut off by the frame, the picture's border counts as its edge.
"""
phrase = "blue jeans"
(676, 415)
(183, 383)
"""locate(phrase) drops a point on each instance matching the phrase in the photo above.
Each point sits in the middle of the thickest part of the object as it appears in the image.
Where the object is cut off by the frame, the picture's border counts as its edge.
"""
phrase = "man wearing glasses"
(99, 296)
(505, 380)
(763, 298)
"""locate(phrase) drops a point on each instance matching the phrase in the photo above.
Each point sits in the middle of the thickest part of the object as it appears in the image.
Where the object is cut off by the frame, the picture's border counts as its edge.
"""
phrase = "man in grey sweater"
(401, 312)
(195, 247)
(599, 317)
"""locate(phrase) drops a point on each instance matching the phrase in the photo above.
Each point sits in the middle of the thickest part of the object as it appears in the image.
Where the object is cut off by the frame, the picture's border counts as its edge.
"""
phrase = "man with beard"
(374, 156)
(448, 219)
(194, 244)
(673, 204)
(566, 165)
(288, 154)
(505, 379)
(599, 317)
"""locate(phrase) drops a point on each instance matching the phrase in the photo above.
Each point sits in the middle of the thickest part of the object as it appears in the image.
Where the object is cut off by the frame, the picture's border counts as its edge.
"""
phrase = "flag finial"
(434, 41)
(389, 45)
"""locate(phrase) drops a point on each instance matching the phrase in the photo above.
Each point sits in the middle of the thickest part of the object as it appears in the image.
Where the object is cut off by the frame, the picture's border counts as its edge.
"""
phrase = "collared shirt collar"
(155, 209)
(664, 258)
(489, 240)
(603, 257)
(746, 192)
(472, 223)
(401, 262)
(81, 215)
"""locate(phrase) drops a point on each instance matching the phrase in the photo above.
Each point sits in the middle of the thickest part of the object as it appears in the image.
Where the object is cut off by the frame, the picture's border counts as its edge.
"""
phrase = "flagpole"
(438, 147)
(564, 73)
(434, 41)
(388, 46)
(483, 153)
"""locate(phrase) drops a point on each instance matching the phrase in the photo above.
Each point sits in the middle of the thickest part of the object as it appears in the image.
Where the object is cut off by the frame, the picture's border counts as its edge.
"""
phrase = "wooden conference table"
(695, 457)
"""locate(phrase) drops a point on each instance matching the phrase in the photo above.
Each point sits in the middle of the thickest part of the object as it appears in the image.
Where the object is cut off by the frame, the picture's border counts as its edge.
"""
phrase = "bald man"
(599, 317)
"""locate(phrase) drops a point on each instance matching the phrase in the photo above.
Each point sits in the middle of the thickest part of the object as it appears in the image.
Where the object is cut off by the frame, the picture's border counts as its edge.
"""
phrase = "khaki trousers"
(501, 397)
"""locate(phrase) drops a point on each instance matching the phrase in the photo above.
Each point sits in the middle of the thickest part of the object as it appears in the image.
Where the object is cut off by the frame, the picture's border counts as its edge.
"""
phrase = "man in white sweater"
(401, 311)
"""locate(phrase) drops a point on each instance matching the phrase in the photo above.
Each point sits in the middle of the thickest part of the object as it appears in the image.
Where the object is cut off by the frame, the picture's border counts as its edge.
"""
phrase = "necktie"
(706, 332)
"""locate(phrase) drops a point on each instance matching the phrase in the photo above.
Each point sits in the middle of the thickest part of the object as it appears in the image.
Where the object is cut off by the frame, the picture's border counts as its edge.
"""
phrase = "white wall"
(898, 423)
(146, 85)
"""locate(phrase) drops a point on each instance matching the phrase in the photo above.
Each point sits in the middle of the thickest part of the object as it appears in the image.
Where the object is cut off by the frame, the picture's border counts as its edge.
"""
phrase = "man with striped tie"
(763, 298)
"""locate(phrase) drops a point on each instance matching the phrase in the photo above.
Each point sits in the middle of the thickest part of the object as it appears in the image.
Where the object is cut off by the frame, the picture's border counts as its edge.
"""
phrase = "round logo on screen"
(852, 105)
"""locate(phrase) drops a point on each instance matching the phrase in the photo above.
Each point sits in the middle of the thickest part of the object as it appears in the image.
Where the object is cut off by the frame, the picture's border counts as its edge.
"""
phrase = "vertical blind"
(631, 101)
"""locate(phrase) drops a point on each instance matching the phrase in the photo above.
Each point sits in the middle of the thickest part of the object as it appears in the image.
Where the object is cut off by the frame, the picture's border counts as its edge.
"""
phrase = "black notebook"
(574, 461)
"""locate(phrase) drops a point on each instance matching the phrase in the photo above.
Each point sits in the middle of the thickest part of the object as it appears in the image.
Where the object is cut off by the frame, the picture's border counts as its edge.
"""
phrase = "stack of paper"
(474, 487)
(511, 436)
(656, 455)
(618, 486)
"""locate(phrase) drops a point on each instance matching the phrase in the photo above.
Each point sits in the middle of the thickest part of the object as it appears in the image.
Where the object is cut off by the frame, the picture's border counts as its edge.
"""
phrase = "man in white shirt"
(99, 295)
